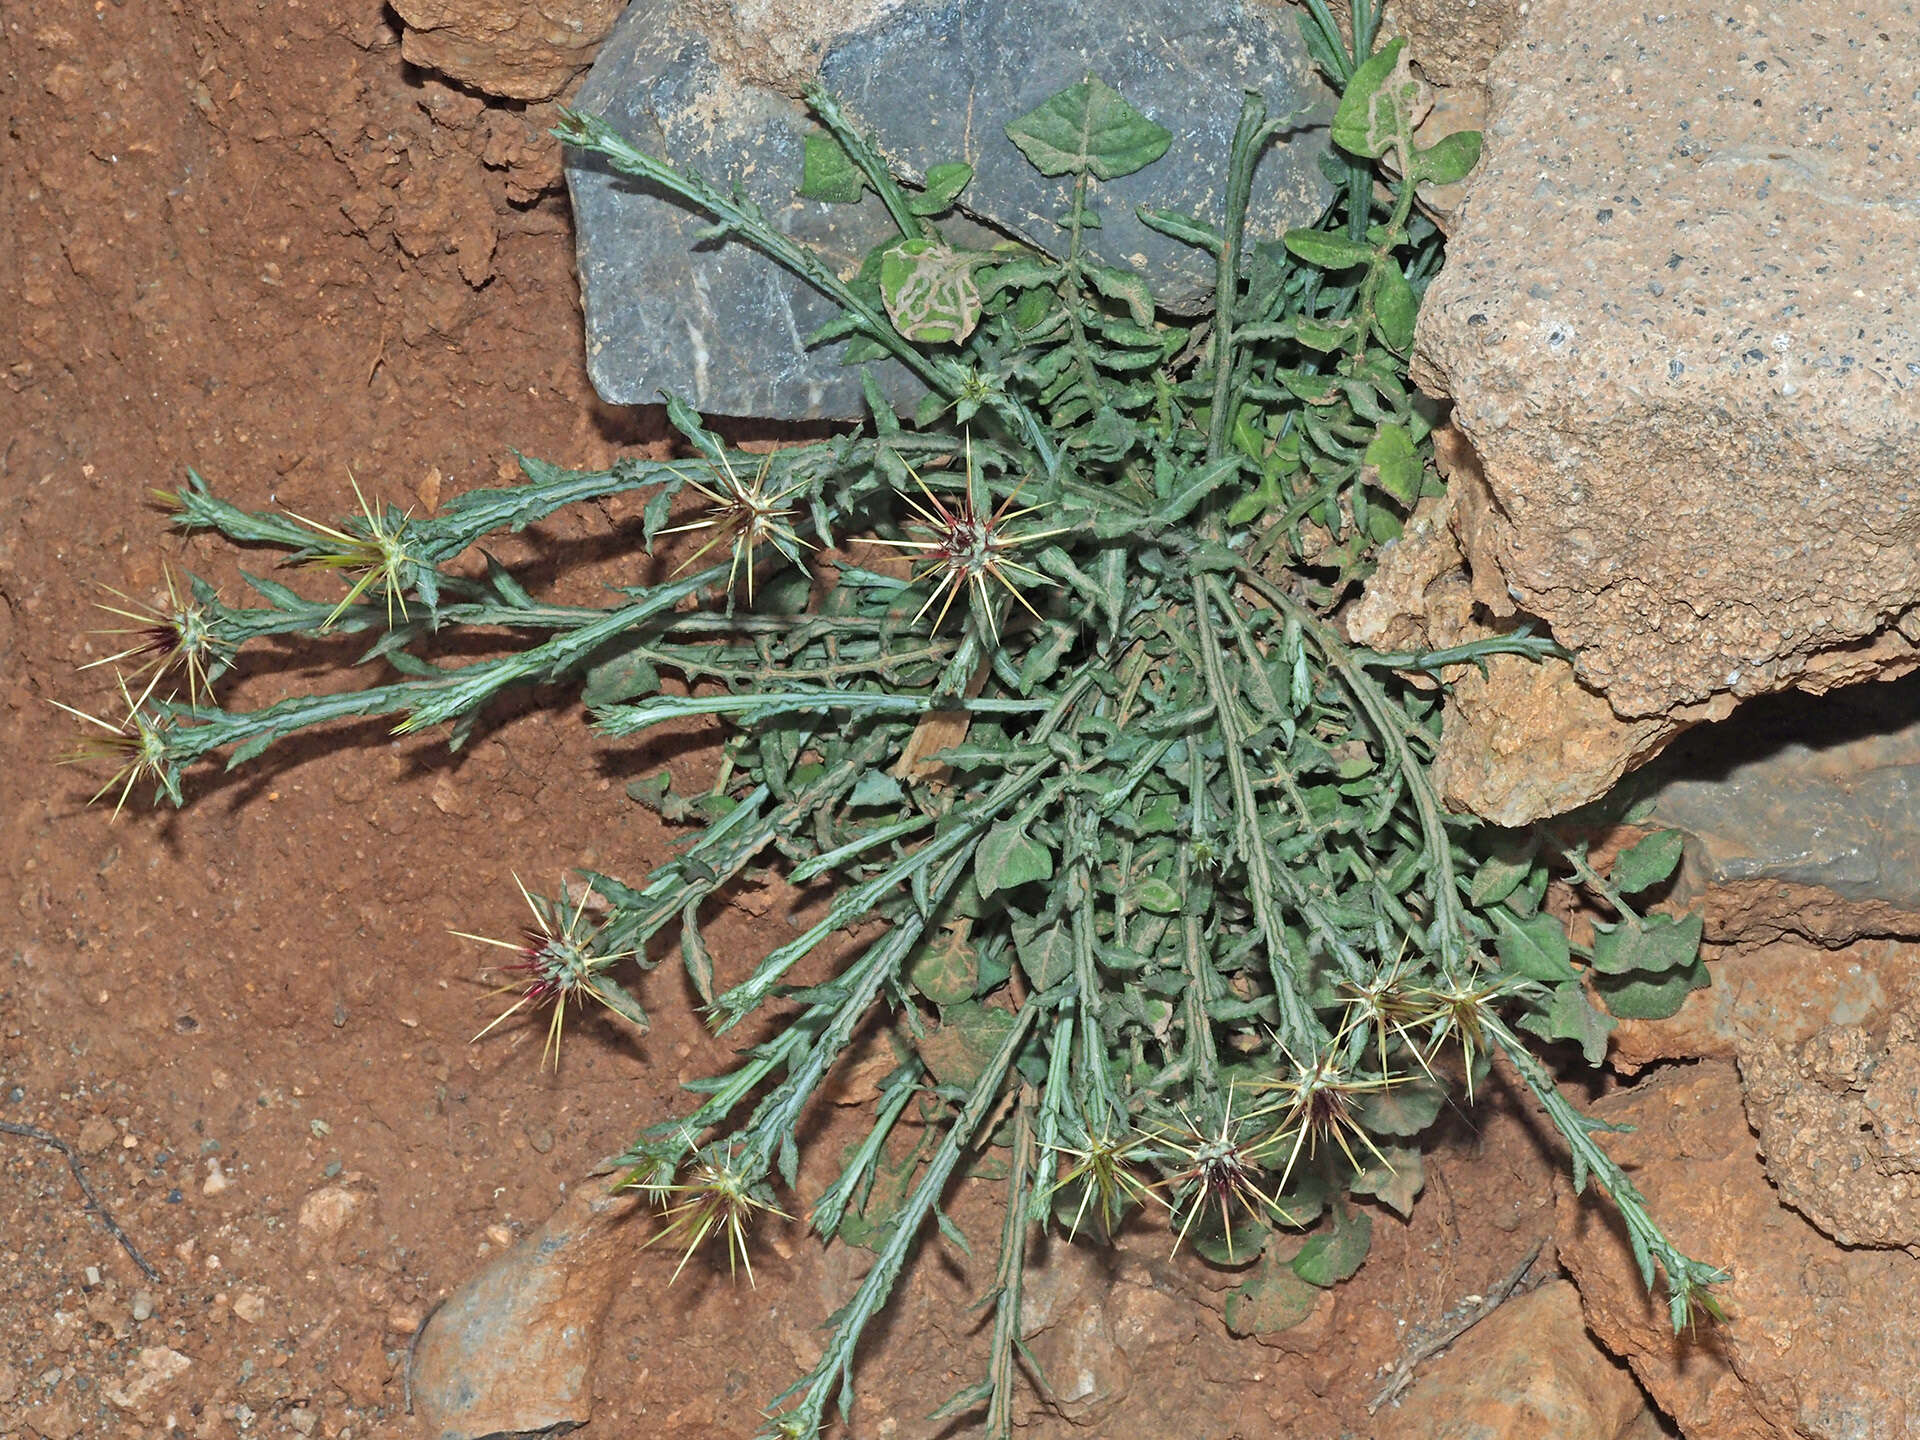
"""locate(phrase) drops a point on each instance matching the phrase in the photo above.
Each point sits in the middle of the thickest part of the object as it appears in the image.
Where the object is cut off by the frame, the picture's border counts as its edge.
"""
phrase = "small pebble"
(143, 1302)
(541, 1140)
(250, 1306)
(216, 1180)
(499, 1234)
(93, 1277)
(302, 1419)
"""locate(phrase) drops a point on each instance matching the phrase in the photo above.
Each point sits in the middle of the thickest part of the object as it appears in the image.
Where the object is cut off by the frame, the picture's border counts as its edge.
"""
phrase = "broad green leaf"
(1631, 997)
(1088, 128)
(1395, 307)
(1534, 948)
(1648, 863)
(1156, 895)
(929, 291)
(1272, 1299)
(827, 171)
(1395, 462)
(1570, 1015)
(944, 184)
(958, 1048)
(1315, 336)
(1122, 285)
(1329, 249)
(1654, 944)
(1395, 1179)
(1500, 875)
(1448, 159)
(876, 787)
(1007, 857)
(1242, 1241)
(1332, 1255)
(945, 967)
(1404, 1108)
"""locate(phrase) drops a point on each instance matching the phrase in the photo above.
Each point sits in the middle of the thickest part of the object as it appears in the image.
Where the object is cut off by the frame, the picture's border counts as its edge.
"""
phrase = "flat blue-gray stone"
(725, 328)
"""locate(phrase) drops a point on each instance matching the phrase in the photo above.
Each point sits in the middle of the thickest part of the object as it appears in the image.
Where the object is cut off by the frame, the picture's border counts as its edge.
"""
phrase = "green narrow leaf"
(1395, 307)
(1087, 128)
(1329, 249)
(1650, 861)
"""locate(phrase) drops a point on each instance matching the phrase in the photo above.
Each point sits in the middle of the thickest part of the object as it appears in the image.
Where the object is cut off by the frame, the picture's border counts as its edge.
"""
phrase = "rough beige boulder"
(1672, 333)
(1818, 1343)
(519, 49)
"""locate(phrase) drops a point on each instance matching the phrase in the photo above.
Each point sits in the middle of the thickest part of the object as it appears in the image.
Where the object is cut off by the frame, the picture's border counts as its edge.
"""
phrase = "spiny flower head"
(1319, 1101)
(556, 964)
(183, 633)
(377, 558)
(1457, 1009)
(968, 545)
(1103, 1168)
(715, 1198)
(140, 745)
(746, 514)
(1219, 1169)
(1386, 1004)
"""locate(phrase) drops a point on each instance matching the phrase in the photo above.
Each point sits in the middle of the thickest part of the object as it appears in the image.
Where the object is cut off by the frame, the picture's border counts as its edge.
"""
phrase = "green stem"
(817, 1388)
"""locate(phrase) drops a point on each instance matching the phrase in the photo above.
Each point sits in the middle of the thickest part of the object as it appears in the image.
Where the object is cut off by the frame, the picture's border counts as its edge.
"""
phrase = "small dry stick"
(34, 1132)
(1403, 1372)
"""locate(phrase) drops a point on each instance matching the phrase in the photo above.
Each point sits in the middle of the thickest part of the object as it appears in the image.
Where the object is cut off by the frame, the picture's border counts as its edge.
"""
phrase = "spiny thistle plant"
(1161, 914)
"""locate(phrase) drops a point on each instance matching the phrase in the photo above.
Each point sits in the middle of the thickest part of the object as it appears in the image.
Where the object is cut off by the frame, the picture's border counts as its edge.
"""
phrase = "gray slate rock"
(1803, 815)
(726, 328)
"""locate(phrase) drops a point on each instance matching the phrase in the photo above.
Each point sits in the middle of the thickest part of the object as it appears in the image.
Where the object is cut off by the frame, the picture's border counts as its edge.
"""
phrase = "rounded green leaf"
(1648, 863)
(1088, 128)
(1447, 159)
(1007, 857)
(1534, 948)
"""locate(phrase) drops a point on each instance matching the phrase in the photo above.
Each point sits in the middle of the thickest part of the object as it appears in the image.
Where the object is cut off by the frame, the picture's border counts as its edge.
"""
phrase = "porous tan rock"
(1785, 992)
(1818, 1343)
(1838, 1117)
(518, 49)
(1670, 330)
(1521, 739)
(1528, 1370)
